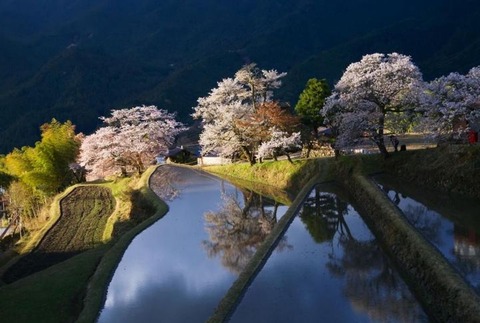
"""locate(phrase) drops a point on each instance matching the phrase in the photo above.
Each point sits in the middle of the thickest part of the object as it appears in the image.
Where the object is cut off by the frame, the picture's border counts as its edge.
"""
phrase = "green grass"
(51, 295)
(84, 213)
(283, 175)
(31, 241)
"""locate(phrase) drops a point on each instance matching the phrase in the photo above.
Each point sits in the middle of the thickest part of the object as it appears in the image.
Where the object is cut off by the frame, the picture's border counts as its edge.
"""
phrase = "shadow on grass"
(34, 262)
(141, 210)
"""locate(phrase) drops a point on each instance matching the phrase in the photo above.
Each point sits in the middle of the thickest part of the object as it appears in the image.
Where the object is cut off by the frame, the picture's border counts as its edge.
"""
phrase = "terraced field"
(84, 213)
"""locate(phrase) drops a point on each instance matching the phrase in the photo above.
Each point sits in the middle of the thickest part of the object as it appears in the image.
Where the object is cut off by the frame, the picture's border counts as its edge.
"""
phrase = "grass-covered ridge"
(449, 168)
(84, 213)
(82, 279)
(283, 175)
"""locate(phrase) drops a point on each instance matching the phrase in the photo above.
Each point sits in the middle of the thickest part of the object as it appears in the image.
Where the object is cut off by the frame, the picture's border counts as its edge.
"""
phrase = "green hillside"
(79, 59)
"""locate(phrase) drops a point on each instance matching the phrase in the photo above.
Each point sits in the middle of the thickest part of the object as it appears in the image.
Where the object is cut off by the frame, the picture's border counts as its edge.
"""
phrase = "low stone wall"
(208, 161)
(441, 290)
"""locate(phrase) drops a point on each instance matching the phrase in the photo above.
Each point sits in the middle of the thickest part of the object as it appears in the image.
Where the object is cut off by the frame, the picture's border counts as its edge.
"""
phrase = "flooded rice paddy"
(450, 223)
(178, 269)
(327, 267)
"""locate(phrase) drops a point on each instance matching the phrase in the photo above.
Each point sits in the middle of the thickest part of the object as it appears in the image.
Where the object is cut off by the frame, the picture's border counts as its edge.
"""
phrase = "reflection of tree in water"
(237, 229)
(322, 213)
(371, 284)
(467, 254)
(163, 182)
(419, 216)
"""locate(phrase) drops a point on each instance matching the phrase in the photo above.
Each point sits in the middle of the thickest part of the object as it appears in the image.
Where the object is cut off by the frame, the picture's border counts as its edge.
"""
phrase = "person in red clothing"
(472, 137)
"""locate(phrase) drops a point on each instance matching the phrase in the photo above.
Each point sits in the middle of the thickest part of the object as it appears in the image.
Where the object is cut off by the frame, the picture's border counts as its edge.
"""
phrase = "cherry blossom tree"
(130, 140)
(371, 90)
(453, 100)
(280, 143)
(231, 102)
(258, 125)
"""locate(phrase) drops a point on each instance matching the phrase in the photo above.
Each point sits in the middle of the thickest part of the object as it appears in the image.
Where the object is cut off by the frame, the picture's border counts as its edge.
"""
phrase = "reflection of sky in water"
(165, 274)
(298, 285)
(449, 237)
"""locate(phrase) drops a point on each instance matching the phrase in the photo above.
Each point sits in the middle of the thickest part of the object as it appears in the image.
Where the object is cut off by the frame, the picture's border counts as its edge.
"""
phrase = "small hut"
(180, 155)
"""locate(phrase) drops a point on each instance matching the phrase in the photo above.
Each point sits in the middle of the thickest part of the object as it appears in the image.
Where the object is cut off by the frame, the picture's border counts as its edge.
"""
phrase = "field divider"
(97, 288)
(442, 291)
(234, 295)
(55, 213)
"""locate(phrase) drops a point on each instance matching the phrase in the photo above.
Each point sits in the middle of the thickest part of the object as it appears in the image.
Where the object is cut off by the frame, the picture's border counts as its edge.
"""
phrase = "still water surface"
(328, 267)
(332, 271)
(450, 223)
(178, 269)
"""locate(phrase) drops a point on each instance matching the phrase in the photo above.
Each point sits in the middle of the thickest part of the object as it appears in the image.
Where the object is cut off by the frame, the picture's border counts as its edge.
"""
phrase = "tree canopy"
(230, 108)
(451, 101)
(370, 91)
(45, 167)
(129, 141)
(311, 102)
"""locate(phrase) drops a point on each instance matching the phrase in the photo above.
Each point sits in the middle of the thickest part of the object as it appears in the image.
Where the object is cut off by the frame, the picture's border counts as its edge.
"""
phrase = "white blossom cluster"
(452, 100)
(382, 90)
(130, 140)
(280, 143)
(233, 100)
(370, 90)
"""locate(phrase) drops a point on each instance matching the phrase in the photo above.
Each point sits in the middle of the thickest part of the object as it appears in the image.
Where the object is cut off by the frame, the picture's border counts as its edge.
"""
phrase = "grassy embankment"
(275, 176)
(93, 243)
(440, 288)
(451, 168)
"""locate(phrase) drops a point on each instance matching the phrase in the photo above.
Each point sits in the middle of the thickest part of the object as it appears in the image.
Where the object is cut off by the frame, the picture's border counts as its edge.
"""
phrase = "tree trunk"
(289, 159)
(383, 149)
(246, 152)
(309, 149)
(379, 140)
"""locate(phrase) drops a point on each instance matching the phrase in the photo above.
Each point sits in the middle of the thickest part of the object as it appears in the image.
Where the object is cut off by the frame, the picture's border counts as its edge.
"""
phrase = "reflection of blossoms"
(162, 183)
(236, 230)
(425, 222)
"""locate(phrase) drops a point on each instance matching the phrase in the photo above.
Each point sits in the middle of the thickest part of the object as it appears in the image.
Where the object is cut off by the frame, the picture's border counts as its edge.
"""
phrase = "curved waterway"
(333, 271)
(178, 269)
(451, 223)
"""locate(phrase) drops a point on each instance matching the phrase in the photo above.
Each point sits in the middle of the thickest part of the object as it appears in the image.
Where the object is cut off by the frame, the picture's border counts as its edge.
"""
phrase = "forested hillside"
(78, 59)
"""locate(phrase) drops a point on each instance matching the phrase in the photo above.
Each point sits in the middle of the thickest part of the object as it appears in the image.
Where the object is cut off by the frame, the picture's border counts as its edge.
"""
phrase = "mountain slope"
(77, 59)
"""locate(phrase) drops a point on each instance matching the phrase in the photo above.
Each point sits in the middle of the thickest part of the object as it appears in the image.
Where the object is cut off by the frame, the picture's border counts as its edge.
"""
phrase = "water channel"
(451, 223)
(178, 269)
(327, 267)
(334, 271)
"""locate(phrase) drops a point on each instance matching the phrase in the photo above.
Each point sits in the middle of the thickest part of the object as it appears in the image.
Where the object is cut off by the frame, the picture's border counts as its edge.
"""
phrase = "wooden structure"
(180, 155)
